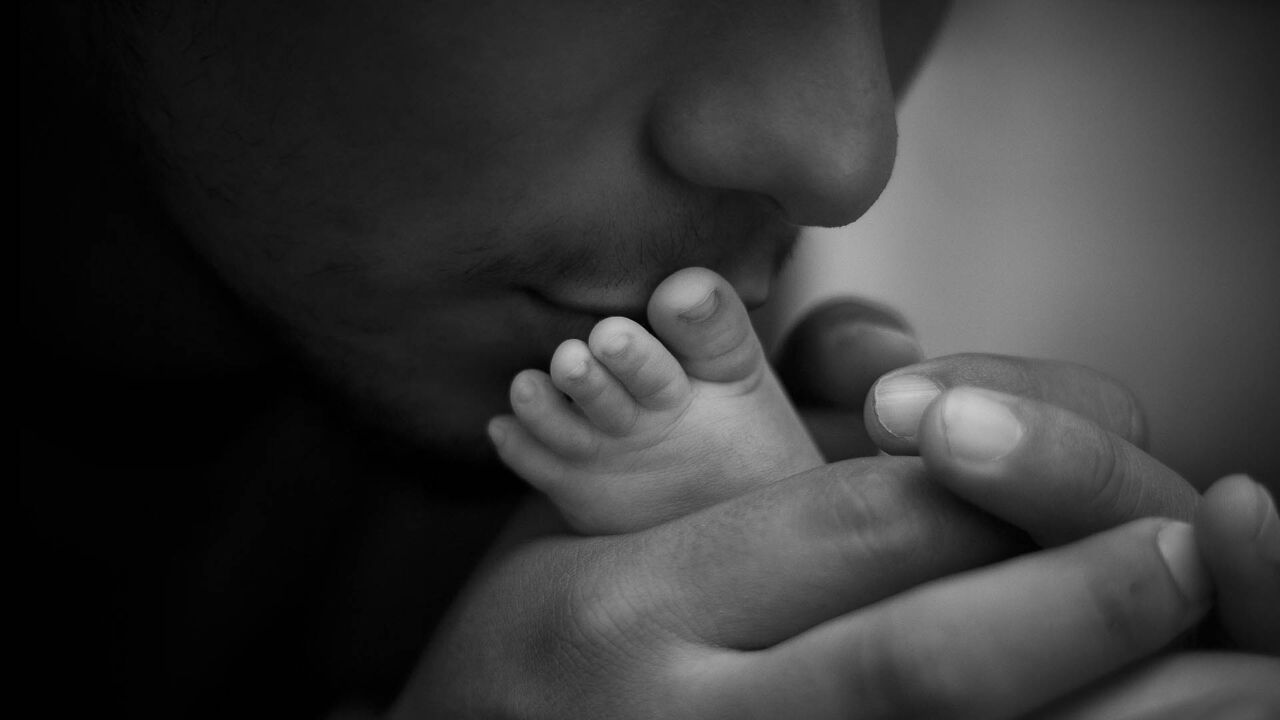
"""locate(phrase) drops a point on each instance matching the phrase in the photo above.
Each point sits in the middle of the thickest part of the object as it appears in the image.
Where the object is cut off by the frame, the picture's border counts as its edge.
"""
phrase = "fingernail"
(900, 402)
(1177, 544)
(978, 428)
(703, 309)
(1267, 537)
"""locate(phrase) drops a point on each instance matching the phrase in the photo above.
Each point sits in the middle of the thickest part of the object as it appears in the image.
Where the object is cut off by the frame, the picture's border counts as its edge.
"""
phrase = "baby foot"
(655, 426)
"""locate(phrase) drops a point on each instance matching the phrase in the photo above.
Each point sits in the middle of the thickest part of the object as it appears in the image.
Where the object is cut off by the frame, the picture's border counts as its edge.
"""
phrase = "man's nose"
(788, 103)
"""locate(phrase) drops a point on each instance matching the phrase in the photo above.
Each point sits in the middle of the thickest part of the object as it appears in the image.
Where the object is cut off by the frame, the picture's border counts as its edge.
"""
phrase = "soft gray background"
(1098, 182)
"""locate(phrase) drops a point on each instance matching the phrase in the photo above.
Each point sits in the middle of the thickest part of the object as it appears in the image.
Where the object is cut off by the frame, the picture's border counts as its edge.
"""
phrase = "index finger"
(898, 400)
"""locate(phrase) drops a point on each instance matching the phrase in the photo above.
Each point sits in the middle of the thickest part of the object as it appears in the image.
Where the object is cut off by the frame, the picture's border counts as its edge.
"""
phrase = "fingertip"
(1238, 533)
(971, 432)
(895, 410)
(1238, 510)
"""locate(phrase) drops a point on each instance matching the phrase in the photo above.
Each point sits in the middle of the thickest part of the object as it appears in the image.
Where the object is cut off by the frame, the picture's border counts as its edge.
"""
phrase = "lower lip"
(634, 311)
(549, 323)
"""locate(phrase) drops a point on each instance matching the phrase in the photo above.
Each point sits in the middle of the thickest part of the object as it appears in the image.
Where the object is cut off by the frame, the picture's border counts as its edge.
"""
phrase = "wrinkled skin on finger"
(691, 619)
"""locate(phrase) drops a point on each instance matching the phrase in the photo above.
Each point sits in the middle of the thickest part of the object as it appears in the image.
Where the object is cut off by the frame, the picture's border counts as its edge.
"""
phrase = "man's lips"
(626, 302)
(601, 304)
(551, 320)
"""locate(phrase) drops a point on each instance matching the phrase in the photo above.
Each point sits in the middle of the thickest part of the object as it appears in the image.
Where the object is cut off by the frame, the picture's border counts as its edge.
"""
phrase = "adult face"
(428, 197)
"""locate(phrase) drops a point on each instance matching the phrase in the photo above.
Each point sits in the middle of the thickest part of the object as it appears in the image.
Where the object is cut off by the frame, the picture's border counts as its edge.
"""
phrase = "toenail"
(616, 345)
(577, 371)
(523, 390)
(703, 309)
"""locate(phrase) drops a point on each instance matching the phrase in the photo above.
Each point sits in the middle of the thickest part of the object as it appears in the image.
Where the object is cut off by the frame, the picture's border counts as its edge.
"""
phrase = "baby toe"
(600, 396)
(702, 320)
(548, 416)
(524, 454)
(646, 369)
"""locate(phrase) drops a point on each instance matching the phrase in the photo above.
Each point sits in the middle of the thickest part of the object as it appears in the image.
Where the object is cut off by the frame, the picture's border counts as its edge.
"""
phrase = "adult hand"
(1083, 447)
(1024, 439)
(1015, 448)
(1084, 451)
(805, 598)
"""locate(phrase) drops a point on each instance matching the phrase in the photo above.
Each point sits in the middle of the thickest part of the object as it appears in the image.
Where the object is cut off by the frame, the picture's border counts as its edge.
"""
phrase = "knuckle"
(1122, 609)
(1115, 488)
(890, 678)
(1113, 606)
(857, 516)
(845, 507)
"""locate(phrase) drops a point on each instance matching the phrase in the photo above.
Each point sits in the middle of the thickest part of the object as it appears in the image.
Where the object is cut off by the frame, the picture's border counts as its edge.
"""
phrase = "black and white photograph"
(649, 359)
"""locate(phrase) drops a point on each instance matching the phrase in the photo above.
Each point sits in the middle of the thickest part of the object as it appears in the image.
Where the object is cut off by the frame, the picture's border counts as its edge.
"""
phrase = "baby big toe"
(700, 317)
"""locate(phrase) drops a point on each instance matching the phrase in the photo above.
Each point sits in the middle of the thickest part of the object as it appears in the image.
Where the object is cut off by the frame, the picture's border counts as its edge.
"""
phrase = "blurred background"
(1097, 182)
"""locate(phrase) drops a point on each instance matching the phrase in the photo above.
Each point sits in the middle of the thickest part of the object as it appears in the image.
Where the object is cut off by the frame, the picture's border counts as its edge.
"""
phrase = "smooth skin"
(655, 426)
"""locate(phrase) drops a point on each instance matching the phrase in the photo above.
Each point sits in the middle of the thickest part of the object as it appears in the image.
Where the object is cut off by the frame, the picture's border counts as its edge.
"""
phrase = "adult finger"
(898, 401)
(1051, 472)
(1239, 535)
(758, 569)
(556, 625)
(830, 360)
(992, 643)
(1180, 686)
